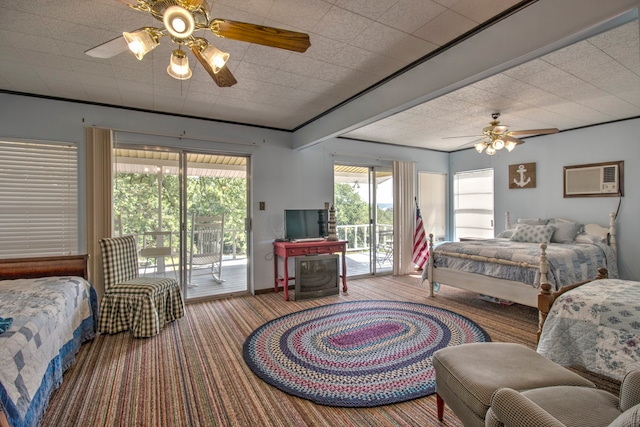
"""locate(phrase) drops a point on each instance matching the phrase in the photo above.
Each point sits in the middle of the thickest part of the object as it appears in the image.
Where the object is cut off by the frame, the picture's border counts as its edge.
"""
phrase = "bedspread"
(52, 316)
(596, 325)
(567, 263)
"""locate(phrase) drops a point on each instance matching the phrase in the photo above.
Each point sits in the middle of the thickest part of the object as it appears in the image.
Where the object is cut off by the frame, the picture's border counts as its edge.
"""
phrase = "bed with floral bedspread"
(596, 325)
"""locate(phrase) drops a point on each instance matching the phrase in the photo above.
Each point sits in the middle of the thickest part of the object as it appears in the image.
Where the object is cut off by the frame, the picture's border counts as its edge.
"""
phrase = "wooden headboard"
(29, 268)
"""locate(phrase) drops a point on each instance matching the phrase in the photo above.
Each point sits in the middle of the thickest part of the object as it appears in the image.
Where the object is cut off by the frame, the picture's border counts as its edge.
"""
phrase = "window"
(38, 199)
(473, 204)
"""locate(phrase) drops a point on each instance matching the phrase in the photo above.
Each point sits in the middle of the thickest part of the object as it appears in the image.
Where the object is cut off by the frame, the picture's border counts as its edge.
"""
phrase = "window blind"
(473, 203)
(38, 199)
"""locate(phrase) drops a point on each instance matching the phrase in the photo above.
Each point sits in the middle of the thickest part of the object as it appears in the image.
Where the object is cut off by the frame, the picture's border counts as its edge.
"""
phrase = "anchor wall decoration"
(522, 176)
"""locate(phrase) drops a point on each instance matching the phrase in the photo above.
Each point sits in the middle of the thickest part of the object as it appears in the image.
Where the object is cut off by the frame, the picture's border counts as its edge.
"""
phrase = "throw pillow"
(565, 231)
(532, 233)
(506, 234)
(589, 238)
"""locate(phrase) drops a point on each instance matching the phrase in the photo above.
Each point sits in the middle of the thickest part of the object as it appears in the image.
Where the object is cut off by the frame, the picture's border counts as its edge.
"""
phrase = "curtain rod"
(183, 136)
(334, 154)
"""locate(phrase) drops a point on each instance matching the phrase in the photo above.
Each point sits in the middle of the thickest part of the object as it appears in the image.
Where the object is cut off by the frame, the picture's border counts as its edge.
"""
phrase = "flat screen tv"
(306, 223)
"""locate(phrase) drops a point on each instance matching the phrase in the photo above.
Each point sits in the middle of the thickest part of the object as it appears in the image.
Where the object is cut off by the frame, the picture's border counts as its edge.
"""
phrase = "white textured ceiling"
(355, 44)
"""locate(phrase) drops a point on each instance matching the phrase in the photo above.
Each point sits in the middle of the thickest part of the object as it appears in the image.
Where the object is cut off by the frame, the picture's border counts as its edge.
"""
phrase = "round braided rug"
(357, 354)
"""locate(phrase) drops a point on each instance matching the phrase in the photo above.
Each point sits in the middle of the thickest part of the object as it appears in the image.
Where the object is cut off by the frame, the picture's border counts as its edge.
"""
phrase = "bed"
(53, 310)
(512, 269)
(595, 325)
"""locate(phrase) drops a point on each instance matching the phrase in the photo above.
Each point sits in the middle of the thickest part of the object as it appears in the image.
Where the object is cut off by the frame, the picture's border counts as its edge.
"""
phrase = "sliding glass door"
(363, 198)
(188, 212)
(217, 242)
(146, 204)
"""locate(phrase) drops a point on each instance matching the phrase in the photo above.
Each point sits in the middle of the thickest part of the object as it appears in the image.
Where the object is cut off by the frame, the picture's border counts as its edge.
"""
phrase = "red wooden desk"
(293, 249)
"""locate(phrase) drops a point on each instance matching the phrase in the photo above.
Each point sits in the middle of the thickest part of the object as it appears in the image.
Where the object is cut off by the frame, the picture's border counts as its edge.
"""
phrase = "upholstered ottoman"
(467, 376)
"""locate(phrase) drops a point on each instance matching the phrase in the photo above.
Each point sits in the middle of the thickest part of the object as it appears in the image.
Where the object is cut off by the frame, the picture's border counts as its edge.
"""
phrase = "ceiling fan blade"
(267, 36)
(512, 139)
(109, 49)
(534, 131)
(223, 78)
(469, 144)
(464, 136)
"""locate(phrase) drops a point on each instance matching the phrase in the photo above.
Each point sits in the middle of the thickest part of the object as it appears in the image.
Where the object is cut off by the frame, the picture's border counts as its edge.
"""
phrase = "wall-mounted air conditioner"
(594, 180)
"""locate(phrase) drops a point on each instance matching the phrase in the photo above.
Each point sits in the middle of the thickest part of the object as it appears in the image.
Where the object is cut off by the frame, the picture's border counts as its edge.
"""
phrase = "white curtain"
(99, 196)
(404, 216)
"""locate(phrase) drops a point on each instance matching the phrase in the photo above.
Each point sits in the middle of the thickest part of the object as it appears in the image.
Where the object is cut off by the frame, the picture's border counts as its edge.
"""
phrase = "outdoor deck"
(234, 276)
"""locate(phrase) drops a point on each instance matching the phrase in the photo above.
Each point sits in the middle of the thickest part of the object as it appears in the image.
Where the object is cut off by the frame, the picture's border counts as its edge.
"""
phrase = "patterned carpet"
(193, 373)
(359, 353)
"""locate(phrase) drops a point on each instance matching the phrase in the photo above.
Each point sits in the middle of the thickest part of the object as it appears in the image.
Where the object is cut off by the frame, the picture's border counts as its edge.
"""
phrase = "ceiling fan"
(180, 19)
(496, 136)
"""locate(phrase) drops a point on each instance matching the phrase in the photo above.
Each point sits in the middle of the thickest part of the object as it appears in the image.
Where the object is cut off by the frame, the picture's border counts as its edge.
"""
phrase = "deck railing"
(359, 235)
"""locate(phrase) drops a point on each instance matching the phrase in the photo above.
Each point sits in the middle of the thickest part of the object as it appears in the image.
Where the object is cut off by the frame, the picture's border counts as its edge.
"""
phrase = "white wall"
(610, 142)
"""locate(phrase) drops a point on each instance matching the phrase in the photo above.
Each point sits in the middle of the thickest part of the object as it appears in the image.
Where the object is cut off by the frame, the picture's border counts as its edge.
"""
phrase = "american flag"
(420, 246)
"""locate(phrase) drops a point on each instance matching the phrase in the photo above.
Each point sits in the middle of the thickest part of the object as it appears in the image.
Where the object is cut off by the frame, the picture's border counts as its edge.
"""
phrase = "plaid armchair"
(563, 406)
(141, 305)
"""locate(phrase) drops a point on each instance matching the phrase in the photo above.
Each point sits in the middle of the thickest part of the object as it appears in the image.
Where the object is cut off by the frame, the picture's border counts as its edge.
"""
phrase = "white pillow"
(532, 233)
(506, 234)
(566, 231)
(530, 221)
(590, 238)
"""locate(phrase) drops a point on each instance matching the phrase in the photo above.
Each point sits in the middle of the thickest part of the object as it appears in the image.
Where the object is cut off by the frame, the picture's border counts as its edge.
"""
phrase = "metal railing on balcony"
(359, 235)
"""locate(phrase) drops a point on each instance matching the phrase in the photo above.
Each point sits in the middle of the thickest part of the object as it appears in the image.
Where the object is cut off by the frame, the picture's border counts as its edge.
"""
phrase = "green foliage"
(350, 208)
(385, 216)
(135, 203)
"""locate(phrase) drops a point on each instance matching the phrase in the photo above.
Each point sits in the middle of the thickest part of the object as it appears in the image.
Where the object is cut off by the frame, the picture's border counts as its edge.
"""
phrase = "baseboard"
(268, 290)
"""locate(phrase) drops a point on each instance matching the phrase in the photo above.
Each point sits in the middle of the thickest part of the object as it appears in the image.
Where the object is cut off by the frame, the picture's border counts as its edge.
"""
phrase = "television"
(306, 224)
(316, 276)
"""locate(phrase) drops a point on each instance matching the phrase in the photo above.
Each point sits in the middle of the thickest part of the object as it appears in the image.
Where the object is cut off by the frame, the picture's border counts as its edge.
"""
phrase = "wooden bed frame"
(518, 292)
(546, 298)
(29, 268)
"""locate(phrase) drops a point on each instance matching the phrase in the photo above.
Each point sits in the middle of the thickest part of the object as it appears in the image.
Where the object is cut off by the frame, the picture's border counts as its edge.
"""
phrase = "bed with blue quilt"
(595, 325)
(48, 309)
(532, 252)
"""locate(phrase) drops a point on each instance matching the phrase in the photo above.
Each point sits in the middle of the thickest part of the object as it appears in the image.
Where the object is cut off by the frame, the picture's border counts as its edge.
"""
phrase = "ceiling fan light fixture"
(480, 146)
(498, 144)
(510, 145)
(490, 150)
(179, 22)
(179, 66)
(142, 41)
(215, 57)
